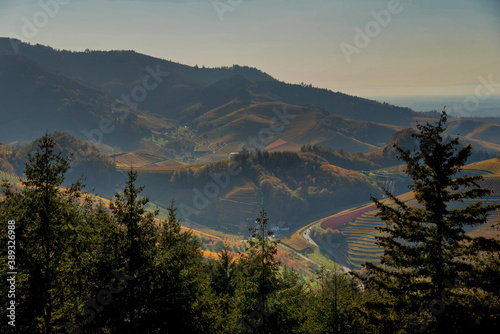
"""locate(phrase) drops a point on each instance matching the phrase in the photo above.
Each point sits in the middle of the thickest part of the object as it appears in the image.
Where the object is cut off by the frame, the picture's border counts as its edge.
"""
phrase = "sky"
(365, 48)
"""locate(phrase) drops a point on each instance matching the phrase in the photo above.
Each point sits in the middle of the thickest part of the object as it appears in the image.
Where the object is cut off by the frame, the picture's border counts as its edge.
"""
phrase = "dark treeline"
(86, 268)
(341, 158)
(98, 168)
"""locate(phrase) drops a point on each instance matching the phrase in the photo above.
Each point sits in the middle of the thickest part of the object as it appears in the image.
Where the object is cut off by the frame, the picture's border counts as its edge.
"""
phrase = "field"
(142, 159)
(359, 240)
(16, 181)
(296, 240)
(359, 246)
(342, 218)
(491, 166)
(9, 177)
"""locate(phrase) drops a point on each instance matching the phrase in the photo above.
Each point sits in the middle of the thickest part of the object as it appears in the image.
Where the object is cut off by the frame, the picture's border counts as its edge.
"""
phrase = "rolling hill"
(292, 185)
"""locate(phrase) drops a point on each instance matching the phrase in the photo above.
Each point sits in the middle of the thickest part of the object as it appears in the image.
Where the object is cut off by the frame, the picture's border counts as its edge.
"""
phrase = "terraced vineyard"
(492, 183)
(296, 241)
(336, 221)
(142, 159)
(342, 218)
(359, 234)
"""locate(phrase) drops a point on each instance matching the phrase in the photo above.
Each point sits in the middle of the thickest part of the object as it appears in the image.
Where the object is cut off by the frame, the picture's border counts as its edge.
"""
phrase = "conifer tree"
(131, 312)
(223, 279)
(260, 261)
(329, 307)
(258, 280)
(56, 258)
(223, 282)
(179, 293)
(427, 252)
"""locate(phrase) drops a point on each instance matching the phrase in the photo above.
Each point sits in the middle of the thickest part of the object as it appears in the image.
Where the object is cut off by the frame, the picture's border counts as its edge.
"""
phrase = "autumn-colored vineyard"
(492, 166)
(296, 241)
(342, 219)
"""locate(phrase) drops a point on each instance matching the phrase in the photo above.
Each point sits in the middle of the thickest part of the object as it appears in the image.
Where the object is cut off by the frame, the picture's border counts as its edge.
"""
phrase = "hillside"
(479, 133)
(224, 195)
(293, 185)
(143, 158)
(99, 169)
(254, 127)
(490, 167)
(35, 100)
(193, 114)
(350, 235)
(98, 67)
(117, 72)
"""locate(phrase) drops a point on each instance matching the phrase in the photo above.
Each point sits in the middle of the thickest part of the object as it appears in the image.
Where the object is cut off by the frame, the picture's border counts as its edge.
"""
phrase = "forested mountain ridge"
(35, 99)
(98, 67)
(117, 71)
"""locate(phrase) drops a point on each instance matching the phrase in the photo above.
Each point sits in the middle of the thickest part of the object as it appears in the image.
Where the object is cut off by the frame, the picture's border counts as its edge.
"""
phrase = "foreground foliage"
(431, 274)
(86, 268)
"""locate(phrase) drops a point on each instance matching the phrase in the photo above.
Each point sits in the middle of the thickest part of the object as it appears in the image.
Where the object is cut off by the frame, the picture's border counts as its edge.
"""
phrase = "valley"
(311, 157)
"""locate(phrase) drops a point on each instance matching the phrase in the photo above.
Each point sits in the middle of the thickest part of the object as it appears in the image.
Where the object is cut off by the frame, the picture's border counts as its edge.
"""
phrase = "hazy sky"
(425, 47)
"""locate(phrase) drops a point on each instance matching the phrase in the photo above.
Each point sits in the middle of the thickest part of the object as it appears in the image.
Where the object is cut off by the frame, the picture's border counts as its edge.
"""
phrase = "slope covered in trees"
(98, 168)
(35, 99)
(293, 185)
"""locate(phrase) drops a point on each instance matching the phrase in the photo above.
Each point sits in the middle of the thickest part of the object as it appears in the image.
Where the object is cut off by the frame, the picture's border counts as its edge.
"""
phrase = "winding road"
(322, 246)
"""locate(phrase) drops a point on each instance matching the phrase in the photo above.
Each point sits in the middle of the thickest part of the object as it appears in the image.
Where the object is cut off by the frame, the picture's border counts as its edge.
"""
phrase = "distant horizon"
(454, 105)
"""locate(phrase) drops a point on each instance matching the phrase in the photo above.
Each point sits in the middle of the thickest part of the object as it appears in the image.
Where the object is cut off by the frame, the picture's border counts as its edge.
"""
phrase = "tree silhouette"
(426, 248)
